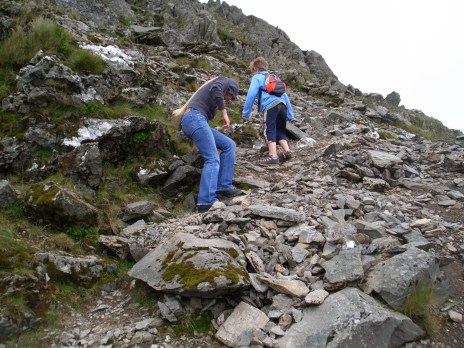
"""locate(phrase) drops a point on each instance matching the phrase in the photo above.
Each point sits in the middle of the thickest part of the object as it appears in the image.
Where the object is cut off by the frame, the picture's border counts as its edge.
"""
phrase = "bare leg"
(284, 145)
(272, 147)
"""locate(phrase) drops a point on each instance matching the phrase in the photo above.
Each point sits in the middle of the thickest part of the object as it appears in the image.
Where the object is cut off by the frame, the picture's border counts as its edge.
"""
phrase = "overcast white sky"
(413, 47)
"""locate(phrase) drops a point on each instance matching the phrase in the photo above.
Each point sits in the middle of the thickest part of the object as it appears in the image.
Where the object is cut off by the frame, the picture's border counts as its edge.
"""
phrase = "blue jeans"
(218, 170)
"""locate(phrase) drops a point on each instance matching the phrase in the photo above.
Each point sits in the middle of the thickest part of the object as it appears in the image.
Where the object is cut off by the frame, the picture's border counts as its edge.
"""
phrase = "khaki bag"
(176, 115)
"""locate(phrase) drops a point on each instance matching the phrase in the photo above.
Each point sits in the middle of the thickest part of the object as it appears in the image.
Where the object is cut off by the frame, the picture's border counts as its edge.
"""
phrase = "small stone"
(316, 297)
(455, 316)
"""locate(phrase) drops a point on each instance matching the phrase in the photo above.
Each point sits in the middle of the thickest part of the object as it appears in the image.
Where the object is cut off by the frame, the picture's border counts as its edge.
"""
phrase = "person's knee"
(230, 146)
(212, 158)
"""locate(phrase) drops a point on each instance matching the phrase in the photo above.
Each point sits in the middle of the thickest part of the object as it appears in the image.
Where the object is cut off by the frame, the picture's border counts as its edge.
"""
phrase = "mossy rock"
(191, 266)
(62, 208)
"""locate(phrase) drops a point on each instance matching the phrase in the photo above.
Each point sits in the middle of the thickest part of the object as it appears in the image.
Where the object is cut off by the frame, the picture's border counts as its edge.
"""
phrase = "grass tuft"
(84, 61)
(418, 306)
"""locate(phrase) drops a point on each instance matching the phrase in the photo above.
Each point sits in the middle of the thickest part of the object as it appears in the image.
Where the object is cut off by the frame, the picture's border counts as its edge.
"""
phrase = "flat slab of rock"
(290, 287)
(244, 318)
(274, 212)
(384, 159)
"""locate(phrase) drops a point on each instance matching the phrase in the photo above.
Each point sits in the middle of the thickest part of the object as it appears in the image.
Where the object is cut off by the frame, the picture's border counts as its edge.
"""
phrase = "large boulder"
(191, 266)
(63, 208)
(394, 278)
(350, 318)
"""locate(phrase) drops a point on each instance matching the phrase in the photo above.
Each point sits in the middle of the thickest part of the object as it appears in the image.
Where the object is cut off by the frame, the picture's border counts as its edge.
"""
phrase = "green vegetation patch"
(189, 276)
(24, 42)
(43, 194)
(18, 48)
(84, 61)
(426, 127)
(418, 305)
(197, 322)
(79, 233)
(386, 136)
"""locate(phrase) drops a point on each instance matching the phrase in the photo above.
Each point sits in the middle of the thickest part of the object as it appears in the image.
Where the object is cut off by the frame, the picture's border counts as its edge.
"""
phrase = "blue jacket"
(257, 83)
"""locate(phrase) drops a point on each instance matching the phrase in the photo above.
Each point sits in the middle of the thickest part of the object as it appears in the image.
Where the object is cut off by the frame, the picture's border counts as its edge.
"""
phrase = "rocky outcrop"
(63, 208)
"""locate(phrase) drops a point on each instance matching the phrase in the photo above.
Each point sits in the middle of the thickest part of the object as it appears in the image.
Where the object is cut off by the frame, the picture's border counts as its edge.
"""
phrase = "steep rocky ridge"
(364, 213)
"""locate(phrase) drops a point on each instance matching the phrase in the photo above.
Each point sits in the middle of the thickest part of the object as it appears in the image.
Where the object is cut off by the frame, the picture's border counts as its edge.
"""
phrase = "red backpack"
(274, 85)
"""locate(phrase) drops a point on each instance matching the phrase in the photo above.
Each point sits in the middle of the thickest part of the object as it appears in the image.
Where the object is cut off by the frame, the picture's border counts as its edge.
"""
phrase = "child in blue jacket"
(276, 110)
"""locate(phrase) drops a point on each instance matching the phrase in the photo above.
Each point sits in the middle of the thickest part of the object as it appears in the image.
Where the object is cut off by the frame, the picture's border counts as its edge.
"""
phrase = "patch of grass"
(16, 305)
(15, 255)
(7, 80)
(66, 292)
(427, 127)
(63, 241)
(298, 84)
(232, 34)
(124, 21)
(202, 63)
(79, 233)
(17, 49)
(181, 145)
(138, 138)
(145, 295)
(84, 61)
(197, 322)
(152, 112)
(29, 339)
(418, 305)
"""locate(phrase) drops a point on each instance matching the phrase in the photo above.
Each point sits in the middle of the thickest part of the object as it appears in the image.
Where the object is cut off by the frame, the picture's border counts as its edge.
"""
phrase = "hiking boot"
(204, 208)
(269, 161)
(285, 156)
(233, 192)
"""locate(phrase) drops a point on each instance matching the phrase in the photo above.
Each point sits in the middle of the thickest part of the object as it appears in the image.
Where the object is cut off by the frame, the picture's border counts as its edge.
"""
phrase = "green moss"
(386, 135)
(138, 138)
(41, 196)
(233, 252)
(170, 256)
(190, 277)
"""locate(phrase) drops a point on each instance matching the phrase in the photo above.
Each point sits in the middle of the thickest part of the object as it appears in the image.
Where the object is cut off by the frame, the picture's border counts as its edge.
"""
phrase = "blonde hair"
(259, 63)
